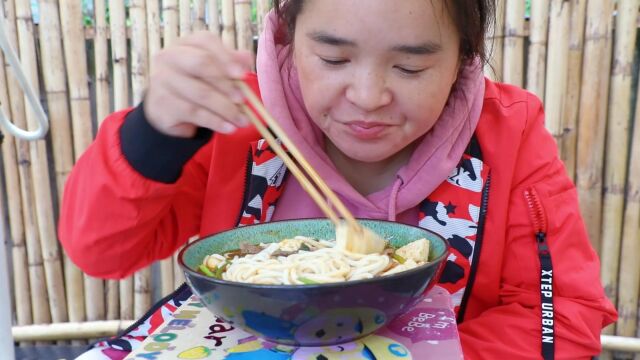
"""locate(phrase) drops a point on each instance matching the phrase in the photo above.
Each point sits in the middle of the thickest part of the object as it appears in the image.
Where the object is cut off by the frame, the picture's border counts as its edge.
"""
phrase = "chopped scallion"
(398, 258)
(205, 270)
(221, 269)
(307, 281)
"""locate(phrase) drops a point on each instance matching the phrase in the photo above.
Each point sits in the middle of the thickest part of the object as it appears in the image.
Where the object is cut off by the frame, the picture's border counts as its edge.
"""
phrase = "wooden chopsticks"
(316, 192)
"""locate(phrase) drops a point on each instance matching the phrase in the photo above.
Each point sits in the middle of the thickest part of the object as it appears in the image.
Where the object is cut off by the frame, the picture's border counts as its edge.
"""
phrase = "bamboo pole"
(139, 48)
(591, 127)
(243, 25)
(121, 101)
(67, 331)
(200, 21)
(167, 271)
(154, 37)
(574, 78)
(75, 52)
(142, 292)
(8, 161)
(101, 54)
(178, 275)
(39, 309)
(76, 59)
(40, 169)
(139, 78)
(513, 63)
(103, 108)
(618, 343)
(558, 62)
(538, 31)
(228, 24)
(263, 7)
(616, 152)
(185, 17)
(214, 16)
(171, 21)
(119, 54)
(494, 45)
(617, 148)
(39, 297)
(603, 106)
(22, 294)
(166, 276)
(54, 73)
(629, 272)
(6, 305)
(153, 26)
(112, 295)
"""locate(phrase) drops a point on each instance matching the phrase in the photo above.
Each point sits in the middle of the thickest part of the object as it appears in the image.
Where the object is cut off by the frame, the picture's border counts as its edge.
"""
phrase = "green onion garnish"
(307, 281)
(205, 270)
(398, 258)
(220, 269)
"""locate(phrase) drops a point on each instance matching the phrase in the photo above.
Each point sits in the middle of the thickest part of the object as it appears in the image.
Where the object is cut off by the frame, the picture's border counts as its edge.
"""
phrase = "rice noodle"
(325, 263)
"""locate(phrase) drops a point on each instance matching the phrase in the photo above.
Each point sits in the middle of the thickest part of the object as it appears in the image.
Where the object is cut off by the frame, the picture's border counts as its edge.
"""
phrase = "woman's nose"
(368, 91)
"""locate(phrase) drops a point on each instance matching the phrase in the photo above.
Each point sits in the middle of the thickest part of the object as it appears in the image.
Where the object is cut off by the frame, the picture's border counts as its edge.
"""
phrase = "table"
(428, 331)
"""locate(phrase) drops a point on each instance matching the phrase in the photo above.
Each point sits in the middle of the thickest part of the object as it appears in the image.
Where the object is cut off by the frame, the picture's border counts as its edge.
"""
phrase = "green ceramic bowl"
(312, 315)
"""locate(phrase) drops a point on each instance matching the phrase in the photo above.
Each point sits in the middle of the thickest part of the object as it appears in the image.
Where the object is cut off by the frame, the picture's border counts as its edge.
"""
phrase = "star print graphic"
(451, 209)
(430, 208)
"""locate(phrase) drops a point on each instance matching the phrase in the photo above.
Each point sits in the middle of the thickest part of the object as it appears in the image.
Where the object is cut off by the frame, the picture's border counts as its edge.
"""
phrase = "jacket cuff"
(154, 155)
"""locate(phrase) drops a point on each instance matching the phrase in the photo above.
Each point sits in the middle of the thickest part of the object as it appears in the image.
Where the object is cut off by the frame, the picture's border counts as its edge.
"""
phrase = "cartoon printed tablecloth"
(428, 331)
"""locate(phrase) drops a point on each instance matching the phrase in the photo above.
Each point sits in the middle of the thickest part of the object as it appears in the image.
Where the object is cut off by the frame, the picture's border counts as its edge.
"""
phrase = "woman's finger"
(198, 95)
(198, 63)
(212, 44)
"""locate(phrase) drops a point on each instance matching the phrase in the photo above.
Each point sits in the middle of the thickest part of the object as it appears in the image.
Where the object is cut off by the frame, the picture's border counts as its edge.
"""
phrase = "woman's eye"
(334, 62)
(409, 71)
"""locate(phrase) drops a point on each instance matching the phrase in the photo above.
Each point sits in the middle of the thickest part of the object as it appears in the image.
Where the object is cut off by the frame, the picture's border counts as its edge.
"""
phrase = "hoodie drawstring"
(393, 197)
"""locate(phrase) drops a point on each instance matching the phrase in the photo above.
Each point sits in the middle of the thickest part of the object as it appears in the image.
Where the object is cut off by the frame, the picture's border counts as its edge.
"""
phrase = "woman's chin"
(367, 156)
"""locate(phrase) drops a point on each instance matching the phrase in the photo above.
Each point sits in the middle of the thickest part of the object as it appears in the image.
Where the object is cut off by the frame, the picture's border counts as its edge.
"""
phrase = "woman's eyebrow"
(427, 48)
(326, 38)
(329, 39)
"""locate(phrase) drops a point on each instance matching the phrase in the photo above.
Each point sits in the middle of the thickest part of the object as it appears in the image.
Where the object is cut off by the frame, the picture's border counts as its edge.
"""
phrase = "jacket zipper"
(538, 217)
(484, 205)
(247, 180)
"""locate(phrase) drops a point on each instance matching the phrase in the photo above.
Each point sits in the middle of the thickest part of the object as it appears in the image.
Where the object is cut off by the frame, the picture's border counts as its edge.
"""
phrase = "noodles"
(303, 260)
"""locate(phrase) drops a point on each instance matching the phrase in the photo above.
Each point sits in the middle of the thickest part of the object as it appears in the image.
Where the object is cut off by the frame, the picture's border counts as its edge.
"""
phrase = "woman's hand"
(192, 85)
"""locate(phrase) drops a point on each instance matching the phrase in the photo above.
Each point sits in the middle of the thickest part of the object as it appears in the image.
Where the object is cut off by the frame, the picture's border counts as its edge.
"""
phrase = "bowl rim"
(310, 286)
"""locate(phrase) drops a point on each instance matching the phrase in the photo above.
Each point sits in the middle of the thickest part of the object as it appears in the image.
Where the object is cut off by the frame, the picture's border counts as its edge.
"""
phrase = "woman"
(388, 102)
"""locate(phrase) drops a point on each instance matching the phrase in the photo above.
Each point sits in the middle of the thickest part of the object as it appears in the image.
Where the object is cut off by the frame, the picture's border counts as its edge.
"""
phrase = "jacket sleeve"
(512, 330)
(114, 220)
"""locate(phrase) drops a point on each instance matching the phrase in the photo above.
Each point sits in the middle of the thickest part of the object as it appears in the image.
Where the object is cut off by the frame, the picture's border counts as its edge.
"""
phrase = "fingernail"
(227, 128)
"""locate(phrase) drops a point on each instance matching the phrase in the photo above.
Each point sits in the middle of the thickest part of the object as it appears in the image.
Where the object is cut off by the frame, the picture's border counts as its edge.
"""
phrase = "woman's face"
(375, 74)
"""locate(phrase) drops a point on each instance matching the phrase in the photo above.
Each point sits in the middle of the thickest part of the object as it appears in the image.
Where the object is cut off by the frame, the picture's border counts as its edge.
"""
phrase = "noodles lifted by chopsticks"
(303, 260)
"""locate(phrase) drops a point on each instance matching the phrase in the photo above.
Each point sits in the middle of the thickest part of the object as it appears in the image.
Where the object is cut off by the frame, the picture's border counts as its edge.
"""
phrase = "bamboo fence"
(580, 57)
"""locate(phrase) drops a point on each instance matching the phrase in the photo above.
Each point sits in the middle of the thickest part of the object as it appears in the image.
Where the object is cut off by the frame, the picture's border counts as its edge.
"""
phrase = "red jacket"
(114, 222)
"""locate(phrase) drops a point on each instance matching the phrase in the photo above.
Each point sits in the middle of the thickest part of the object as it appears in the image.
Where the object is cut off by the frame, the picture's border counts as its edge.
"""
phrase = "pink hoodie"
(432, 161)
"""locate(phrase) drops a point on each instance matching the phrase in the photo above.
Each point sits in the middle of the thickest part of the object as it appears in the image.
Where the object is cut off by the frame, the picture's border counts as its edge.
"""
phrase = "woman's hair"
(472, 19)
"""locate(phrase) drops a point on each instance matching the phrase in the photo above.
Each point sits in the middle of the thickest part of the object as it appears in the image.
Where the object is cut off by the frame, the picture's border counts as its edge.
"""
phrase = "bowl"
(319, 314)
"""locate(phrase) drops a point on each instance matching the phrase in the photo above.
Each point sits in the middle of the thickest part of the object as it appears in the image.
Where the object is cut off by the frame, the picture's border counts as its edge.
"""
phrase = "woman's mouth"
(366, 130)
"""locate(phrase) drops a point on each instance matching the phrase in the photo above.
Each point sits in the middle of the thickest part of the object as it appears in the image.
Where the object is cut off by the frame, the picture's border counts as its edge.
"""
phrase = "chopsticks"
(321, 188)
